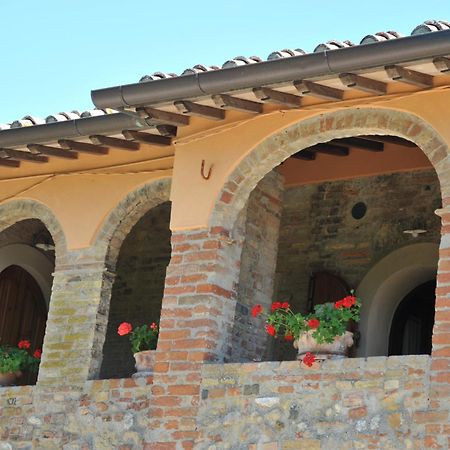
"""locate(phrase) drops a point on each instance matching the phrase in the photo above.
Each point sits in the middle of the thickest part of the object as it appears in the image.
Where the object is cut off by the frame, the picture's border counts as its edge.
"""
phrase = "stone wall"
(138, 287)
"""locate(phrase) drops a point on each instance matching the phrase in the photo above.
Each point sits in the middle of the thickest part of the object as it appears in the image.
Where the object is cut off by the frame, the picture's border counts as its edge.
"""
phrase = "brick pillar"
(258, 264)
(76, 322)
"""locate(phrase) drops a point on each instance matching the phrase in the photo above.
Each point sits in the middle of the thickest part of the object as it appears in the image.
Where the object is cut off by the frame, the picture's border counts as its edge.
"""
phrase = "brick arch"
(17, 210)
(126, 214)
(318, 129)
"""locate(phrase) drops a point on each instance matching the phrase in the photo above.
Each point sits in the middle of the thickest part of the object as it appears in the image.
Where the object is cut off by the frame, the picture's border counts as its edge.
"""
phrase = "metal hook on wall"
(202, 171)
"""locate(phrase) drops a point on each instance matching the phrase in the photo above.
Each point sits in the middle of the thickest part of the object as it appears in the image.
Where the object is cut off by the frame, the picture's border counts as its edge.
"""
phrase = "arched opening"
(344, 204)
(412, 324)
(27, 260)
(138, 287)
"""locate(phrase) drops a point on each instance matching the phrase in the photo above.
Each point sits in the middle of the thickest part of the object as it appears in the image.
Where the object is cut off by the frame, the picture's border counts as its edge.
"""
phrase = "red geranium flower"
(313, 323)
(289, 337)
(37, 353)
(124, 328)
(309, 359)
(339, 304)
(271, 330)
(256, 310)
(349, 301)
(276, 305)
(285, 305)
(24, 344)
(153, 326)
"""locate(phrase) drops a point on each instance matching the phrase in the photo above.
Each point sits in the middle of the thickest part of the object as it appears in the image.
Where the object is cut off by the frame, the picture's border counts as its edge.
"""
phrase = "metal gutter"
(107, 124)
(312, 65)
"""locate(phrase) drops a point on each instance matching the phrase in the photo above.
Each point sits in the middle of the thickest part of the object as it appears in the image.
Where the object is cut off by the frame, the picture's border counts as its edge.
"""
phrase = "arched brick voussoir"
(17, 210)
(125, 215)
(322, 128)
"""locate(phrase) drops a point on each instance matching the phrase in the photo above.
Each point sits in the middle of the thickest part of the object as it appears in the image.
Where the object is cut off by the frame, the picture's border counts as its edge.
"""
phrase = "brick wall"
(138, 287)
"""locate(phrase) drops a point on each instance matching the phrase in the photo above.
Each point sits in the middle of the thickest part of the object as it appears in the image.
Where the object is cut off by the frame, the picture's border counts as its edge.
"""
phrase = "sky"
(54, 52)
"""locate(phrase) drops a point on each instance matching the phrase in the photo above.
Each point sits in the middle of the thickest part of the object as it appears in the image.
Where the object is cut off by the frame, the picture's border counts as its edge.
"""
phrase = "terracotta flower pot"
(9, 378)
(145, 361)
(336, 349)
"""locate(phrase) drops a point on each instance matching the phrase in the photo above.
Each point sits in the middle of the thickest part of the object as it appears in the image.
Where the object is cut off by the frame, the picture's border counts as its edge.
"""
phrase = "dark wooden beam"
(363, 144)
(389, 140)
(118, 143)
(9, 163)
(398, 73)
(52, 151)
(305, 155)
(8, 153)
(161, 117)
(354, 81)
(204, 111)
(442, 64)
(153, 139)
(167, 130)
(330, 149)
(282, 98)
(84, 147)
(306, 87)
(239, 104)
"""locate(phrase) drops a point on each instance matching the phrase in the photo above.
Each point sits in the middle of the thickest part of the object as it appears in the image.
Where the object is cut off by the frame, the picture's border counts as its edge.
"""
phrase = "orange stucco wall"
(82, 199)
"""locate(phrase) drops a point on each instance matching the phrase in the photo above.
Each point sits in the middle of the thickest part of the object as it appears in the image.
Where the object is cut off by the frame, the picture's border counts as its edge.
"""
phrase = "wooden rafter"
(148, 138)
(389, 140)
(360, 143)
(282, 98)
(52, 151)
(161, 117)
(121, 144)
(9, 163)
(354, 81)
(442, 64)
(330, 149)
(398, 73)
(204, 111)
(83, 147)
(7, 153)
(306, 87)
(304, 155)
(239, 104)
(167, 130)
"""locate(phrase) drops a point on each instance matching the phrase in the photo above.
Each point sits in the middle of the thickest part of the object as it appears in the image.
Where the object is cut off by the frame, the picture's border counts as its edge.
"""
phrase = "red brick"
(357, 413)
(443, 338)
(179, 290)
(430, 416)
(184, 389)
(226, 197)
(166, 401)
(213, 289)
(160, 446)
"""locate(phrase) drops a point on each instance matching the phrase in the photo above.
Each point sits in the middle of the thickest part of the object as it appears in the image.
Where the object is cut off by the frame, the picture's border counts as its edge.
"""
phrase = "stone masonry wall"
(138, 287)
(318, 231)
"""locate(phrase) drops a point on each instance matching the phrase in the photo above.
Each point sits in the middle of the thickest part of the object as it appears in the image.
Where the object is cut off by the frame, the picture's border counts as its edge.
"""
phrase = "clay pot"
(145, 361)
(9, 378)
(334, 350)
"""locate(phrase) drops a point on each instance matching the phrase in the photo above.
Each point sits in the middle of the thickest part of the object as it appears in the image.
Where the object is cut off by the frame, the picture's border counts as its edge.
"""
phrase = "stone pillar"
(258, 264)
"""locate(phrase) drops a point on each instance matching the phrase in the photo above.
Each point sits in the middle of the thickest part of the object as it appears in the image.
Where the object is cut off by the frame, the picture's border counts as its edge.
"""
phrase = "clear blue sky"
(53, 52)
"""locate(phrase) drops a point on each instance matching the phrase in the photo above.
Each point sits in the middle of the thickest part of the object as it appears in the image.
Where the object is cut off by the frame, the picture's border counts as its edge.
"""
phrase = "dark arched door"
(23, 311)
(412, 325)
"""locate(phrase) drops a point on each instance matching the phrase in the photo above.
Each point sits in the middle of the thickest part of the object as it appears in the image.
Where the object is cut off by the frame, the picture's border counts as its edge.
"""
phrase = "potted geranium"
(15, 359)
(143, 343)
(321, 334)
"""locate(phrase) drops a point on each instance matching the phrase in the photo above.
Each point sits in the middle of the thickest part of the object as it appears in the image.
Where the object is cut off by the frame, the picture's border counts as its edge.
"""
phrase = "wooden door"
(23, 311)
(325, 287)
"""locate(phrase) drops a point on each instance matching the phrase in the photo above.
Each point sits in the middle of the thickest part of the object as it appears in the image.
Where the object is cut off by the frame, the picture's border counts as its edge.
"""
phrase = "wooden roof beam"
(161, 117)
(147, 138)
(305, 155)
(268, 95)
(167, 130)
(420, 79)
(52, 151)
(306, 87)
(7, 153)
(121, 144)
(442, 64)
(9, 162)
(83, 147)
(354, 81)
(204, 111)
(360, 143)
(239, 104)
(389, 140)
(330, 149)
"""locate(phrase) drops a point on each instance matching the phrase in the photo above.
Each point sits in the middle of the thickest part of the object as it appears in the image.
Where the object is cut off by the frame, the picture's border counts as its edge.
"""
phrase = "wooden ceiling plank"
(8, 153)
(9, 163)
(225, 101)
(161, 117)
(204, 111)
(148, 138)
(306, 87)
(121, 144)
(362, 144)
(354, 81)
(389, 140)
(52, 151)
(399, 73)
(268, 95)
(330, 149)
(305, 155)
(442, 63)
(84, 147)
